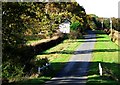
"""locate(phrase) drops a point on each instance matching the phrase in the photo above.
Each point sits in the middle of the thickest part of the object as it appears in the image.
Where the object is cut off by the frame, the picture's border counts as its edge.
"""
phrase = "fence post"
(100, 69)
(39, 70)
(42, 68)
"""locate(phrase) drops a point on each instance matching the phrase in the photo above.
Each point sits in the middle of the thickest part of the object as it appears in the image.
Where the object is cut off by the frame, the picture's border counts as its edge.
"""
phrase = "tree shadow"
(88, 41)
(75, 72)
(95, 32)
(71, 76)
(110, 74)
(107, 78)
(81, 51)
(27, 53)
(66, 73)
(94, 37)
(99, 32)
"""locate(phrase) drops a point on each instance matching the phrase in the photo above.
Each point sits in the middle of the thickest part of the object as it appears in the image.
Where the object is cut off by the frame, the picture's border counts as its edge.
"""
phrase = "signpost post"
(111, 25)
(100, 69)
(102, 24)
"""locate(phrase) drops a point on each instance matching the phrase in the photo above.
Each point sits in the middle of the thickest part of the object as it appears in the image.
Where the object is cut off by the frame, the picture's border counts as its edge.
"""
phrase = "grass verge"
(105, 52)
(58, 56)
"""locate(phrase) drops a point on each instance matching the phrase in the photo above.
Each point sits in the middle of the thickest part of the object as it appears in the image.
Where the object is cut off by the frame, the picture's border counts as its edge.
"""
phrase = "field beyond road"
(58, 56)
(107, 54)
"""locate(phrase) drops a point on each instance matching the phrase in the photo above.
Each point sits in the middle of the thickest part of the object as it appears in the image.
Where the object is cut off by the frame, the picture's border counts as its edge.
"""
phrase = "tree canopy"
(21, 19)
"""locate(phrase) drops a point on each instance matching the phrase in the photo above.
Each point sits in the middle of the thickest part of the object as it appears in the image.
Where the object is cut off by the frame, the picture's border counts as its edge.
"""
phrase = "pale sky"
(102, 8)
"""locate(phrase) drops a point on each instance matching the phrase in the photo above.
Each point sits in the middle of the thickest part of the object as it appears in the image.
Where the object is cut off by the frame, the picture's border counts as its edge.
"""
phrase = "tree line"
(39, 19)
(22, 19)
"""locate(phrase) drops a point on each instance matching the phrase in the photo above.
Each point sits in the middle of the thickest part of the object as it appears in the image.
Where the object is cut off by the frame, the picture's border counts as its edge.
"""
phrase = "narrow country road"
(75, 71)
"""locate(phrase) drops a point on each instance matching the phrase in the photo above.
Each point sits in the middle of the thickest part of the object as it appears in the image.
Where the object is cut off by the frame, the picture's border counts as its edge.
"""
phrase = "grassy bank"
(58, 56)
(105, 52)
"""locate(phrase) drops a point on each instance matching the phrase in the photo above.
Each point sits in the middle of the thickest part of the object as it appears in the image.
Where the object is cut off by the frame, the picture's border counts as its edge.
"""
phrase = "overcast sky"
(102, 8)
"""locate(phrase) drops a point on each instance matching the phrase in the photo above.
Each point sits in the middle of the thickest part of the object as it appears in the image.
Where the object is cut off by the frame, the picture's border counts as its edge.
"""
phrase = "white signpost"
(111, 25)
(65, 27)
(100, 69)
(102, 24)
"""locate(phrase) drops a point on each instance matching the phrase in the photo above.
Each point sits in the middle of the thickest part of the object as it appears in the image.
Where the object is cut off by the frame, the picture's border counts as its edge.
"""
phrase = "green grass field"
(105, 52)
(58, 56)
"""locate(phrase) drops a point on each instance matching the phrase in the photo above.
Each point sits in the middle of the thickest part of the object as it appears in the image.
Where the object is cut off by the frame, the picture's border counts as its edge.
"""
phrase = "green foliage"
(21, 20)
(13, 27)
(75, 35)
(75, 25)
(41, 62)
(106, 23)
(10, 70)
(93, 22)
(76, 30)
(105, 53)
(115, 23)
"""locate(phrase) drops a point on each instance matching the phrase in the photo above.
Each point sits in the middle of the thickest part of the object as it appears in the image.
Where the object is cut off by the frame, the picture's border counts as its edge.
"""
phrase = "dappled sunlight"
(110, 72)
(56, 40)
(105, 53)
(68, 76)
(57, 51)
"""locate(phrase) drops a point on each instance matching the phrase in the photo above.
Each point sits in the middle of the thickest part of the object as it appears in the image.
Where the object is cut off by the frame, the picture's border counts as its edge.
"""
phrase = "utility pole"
(111, 25)
(102, 23)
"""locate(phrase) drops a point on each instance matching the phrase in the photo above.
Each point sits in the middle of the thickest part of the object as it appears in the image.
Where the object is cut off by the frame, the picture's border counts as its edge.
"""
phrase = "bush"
(41, 62)
(75, 35)
(76, 29)
(75, 25)
(11, 72)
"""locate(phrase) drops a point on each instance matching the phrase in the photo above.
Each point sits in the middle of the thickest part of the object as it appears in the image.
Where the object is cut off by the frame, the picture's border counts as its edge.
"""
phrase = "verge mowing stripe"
(58, 57)
(106, 53)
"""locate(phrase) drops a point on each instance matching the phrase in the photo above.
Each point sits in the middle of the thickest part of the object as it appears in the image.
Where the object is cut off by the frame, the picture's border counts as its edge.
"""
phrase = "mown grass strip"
(105, 52)
(58, 56)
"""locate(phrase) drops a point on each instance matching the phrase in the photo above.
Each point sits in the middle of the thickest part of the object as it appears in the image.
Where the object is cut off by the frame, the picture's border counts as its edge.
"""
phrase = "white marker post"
(111, 25)
(39, 70)
(102, 24)
(100, 69)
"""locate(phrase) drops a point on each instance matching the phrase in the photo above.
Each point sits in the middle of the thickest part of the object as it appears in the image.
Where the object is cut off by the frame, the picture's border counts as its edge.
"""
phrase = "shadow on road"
(82, 51)
(88, 41)
(76, 72)
(74, 76)
(69, 77)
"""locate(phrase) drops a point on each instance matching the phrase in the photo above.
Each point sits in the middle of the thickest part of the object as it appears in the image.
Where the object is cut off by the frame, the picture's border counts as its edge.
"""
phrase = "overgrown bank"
(23, 21)
(58, 56)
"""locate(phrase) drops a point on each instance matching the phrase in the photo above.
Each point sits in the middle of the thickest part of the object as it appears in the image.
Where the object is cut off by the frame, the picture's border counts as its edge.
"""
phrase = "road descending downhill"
(75, 71)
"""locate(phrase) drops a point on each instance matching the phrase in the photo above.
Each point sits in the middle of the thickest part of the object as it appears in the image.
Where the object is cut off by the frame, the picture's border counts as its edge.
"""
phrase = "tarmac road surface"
(75, 71)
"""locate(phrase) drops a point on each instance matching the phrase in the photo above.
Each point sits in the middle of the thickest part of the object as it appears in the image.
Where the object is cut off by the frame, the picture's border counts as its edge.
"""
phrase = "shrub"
(75, 25)
(41, 62)
(11, 71)
(76, 29)
(75, 35)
